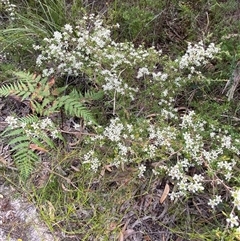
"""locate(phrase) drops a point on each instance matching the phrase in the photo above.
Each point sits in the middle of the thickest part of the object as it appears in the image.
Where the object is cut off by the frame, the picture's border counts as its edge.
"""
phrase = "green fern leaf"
(20, 153)
(13, 132)
(20, 139)
(94, 96)
(73, 107)
(25, 161)
(19, 146)
(29, 119)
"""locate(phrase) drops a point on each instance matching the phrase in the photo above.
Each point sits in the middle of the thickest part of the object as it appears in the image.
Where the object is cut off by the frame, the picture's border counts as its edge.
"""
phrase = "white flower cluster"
(227, 168)
(161, 138)
(193, 140)
(189, 122)
(9, 8)
(184, 182)
(93, 161)
(141, 169)
(233, 220)
(180, 153)
(196, 155)
(142, 72)
(114, 130)
(236, 196)
(197, 55)
(88, 48)
(160, 76)
(215, 201)
(128, 143)
(42, 128)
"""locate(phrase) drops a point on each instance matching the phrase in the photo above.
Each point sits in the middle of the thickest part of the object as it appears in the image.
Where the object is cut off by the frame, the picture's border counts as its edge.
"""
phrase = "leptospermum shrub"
(141, 86)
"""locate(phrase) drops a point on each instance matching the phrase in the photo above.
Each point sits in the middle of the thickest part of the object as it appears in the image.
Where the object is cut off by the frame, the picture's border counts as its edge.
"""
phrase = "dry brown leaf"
(121, 236)
(102, 173)
(165, 193)
(35, 75)
(147, 238)
(35, 147)
(75, 169)
(51, 82)
(129, 232)
(108, 168)
(112, 226)
(3, 161)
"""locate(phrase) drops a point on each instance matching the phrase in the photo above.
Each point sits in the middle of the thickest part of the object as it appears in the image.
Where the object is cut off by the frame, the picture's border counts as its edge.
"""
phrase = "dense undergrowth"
(129, 128)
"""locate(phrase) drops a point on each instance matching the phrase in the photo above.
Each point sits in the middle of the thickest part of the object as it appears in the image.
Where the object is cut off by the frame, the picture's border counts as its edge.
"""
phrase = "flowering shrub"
(119, 68)
(181, 152)
(194, 154)
(87, 48)
(180, 149)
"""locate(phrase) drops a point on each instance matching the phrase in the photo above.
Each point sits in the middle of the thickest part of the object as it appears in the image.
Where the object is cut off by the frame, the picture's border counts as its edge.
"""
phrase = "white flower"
(114, 130)
(215, 201)
(36, 47)
(68, 28)
(236, 196)
(29, 133)
(93, 161)
(46, 122)
(232, 220)
(141, 169)
(23, 124)
(54, 134)
(151, 150)
(142, 71)
(165, 92)
(228, 176)
(12, 121)
(123, 150)
(57, 36)
(164, 77)
(197, 55)
(198, 178)
(226, 141)
(175, 172)
(195, 187)
(182, 185)
(35, 126)
(212, 134)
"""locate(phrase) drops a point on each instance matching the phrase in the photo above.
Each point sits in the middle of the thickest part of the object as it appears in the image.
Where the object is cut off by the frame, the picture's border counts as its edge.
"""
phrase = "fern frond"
(89, 95)
(73, 107)
(37, 107)
(22, 144)
(12, 132)
(25, 160)
(19, 88)
(19, 146)
(23, 140)
(94, 95)
(25, 76)
(29, 119)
